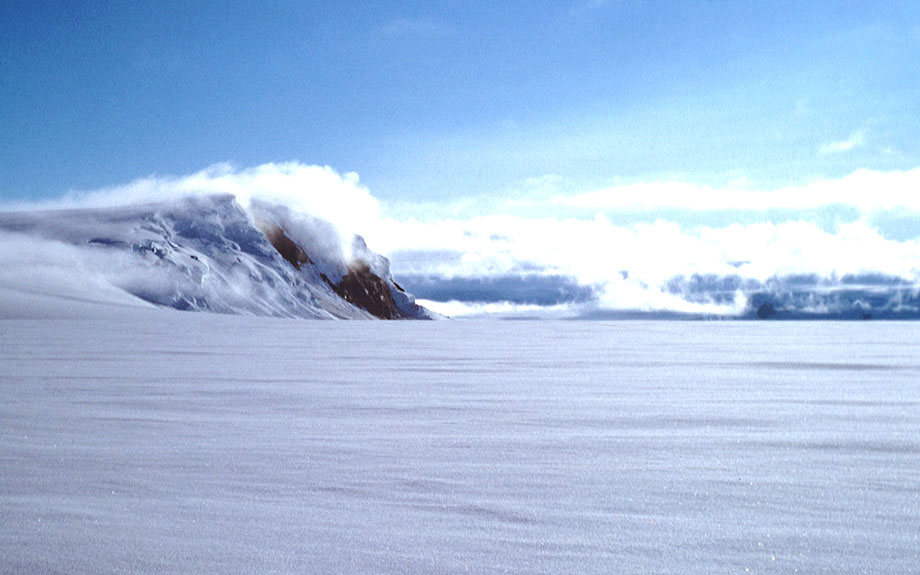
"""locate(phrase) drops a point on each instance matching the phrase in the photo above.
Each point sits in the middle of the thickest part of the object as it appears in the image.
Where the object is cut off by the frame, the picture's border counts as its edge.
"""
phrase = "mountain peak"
(205, 253)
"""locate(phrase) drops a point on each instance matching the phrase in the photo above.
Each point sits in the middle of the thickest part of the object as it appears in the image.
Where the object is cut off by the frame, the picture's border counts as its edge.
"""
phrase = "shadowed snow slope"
(197, 253)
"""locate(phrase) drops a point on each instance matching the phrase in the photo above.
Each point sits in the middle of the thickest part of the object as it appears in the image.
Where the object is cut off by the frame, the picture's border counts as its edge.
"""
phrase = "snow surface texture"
(170, 442)
(203, 253)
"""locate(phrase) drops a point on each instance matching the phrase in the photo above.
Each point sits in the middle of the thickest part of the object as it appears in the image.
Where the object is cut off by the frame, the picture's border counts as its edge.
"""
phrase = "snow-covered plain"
(167, 442)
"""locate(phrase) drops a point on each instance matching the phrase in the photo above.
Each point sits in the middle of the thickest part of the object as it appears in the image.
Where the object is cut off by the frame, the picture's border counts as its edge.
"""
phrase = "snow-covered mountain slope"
(204, 253)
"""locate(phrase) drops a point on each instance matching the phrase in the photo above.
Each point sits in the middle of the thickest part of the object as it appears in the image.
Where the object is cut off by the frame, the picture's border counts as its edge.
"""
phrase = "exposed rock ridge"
(359, 285)
(289, 250)
(368, 291)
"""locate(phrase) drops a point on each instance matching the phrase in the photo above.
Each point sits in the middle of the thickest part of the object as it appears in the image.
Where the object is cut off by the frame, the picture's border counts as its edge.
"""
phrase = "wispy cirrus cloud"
(861, 191)
(856, 140)
(864, 190)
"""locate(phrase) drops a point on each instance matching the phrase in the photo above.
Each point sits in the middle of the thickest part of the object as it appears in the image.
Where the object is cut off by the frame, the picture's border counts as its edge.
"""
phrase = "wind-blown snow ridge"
(201, 253)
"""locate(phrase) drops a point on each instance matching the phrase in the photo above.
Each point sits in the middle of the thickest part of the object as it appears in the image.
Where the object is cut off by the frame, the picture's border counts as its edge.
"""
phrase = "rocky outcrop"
(360, 286)
(368, 291)
(290, 251)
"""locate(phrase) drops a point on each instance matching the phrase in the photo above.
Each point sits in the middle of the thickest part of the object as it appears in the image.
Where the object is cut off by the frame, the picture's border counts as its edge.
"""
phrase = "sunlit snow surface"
(168, 442)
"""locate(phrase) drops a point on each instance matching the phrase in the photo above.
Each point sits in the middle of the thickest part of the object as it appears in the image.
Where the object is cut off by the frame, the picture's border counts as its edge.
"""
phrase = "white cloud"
(855, 140)
(318, 191)
(631, 265)
(865, 190)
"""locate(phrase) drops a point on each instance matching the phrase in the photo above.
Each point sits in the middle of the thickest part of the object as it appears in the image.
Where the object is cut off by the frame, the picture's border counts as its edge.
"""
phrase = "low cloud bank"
(680, 255)
(646, 267)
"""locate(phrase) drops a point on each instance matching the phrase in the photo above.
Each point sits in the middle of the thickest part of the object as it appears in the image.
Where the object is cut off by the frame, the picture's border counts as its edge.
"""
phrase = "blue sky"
(435, 100)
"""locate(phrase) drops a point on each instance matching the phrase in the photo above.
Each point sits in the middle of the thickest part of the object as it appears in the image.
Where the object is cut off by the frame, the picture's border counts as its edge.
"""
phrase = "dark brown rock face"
(289, 250)
(368, 291)
(359, 287)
